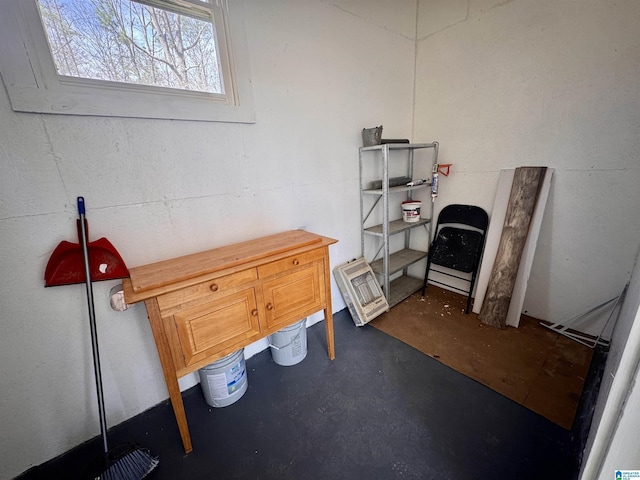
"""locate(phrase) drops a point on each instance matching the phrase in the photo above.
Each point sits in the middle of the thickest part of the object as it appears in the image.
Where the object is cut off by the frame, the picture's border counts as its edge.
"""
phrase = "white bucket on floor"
(224, 381)
(411, 211)
(289, 345)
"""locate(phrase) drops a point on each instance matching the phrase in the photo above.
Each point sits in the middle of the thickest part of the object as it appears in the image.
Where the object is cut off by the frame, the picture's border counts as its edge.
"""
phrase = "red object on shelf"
(443, 168)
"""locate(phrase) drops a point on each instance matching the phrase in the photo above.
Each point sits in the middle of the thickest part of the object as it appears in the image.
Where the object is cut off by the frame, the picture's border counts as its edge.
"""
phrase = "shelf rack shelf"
(391, 267)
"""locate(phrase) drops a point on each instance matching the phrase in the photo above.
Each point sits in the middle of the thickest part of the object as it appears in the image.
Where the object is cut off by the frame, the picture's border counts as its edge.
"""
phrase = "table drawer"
(206, 289)
(291, 262)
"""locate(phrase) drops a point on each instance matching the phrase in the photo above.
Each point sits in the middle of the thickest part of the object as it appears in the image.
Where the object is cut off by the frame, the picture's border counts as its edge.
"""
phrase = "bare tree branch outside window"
(126, 41)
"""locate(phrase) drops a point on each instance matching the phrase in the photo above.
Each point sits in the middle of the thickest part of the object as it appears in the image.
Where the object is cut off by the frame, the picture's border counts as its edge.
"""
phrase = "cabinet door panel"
(293, 296)
(211, 327)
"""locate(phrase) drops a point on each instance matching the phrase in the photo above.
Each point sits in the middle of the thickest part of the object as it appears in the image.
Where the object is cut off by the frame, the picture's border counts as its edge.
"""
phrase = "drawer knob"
(269, 306)
(254, 312)
(214, 287)
(296, 262)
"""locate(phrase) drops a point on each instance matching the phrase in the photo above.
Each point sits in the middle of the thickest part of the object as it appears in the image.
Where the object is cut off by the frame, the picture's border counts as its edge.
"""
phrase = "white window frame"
(33, 84)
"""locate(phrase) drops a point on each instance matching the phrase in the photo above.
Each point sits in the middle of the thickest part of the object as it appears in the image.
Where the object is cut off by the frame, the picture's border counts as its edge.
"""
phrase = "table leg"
(328, 325)
(328, 312)
(168, 367)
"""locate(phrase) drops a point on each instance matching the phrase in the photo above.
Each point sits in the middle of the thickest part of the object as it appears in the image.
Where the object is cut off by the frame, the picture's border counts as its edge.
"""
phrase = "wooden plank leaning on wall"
(522, 202)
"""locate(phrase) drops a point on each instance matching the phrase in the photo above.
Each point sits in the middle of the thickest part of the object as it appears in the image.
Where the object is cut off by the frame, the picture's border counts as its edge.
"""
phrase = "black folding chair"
(457, 245)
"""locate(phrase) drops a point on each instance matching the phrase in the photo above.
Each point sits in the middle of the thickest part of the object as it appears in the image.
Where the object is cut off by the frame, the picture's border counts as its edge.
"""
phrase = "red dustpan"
(66, 265)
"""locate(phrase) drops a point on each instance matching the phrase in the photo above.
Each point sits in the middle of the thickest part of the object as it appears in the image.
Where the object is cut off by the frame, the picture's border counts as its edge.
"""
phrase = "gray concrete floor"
(380, 410)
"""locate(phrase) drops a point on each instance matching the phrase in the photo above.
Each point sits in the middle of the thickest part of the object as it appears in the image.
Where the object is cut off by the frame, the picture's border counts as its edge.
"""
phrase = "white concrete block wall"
(521, 83)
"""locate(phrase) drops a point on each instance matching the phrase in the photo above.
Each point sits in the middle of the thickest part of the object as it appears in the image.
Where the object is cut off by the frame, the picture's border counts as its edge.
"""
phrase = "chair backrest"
(464, 215)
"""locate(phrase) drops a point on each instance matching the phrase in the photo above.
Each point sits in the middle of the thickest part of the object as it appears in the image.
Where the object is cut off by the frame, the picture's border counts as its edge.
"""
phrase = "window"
(132, 58)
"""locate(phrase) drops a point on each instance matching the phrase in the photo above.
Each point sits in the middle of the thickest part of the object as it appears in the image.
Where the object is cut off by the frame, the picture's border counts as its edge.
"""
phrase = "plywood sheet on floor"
(532, 365)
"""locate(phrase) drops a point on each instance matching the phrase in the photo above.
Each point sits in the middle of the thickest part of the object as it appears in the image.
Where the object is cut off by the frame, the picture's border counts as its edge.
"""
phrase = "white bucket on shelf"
(224, 381)
(411, 211)
(289, 345)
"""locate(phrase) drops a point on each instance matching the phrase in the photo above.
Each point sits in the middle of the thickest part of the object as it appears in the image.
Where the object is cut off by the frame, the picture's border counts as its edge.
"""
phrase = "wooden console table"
(204, 306)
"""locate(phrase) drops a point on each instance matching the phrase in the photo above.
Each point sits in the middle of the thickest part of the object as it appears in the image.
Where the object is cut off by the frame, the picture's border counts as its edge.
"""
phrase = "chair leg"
(426, 273)
(472, 284)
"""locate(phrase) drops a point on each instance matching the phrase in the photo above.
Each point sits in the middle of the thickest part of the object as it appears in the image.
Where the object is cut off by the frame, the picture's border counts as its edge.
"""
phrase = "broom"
(125, 462)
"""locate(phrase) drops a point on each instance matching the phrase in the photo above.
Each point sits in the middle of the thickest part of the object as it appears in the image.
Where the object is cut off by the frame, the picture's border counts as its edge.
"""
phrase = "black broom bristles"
(128, 462)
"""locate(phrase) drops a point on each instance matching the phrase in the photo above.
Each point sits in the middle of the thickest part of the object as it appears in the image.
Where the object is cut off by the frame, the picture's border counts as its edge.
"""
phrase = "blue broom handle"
(92, 324)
